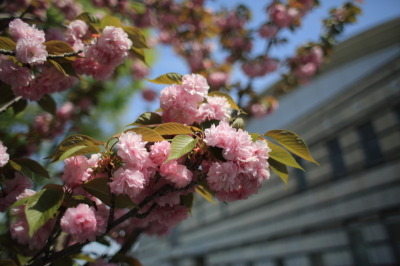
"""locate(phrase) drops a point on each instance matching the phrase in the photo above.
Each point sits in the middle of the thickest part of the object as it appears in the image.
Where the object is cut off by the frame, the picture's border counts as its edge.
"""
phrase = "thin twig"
(5, 107)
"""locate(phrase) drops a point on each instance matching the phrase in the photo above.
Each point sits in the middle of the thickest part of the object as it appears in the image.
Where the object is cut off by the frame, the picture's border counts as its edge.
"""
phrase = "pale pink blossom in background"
(14, 75)
(139, 70)
(90, 67)
(69, 8)
(217, 79)
(19, 228)
(149, 94)
(66, 111)
(80, 223)
(4, 157)
(268, 31)
(12, 188)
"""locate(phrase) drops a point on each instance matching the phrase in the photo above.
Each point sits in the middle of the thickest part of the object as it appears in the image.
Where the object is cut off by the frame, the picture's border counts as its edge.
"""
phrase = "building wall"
(344, 212)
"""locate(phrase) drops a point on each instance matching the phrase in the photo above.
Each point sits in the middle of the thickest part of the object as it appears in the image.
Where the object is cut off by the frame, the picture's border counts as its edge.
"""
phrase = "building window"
(300, 176)
(316, 259)
(336, 158)
(370, 144)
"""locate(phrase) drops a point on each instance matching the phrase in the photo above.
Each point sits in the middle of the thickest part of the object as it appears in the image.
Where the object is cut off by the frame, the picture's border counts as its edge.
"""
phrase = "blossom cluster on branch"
(144, 179)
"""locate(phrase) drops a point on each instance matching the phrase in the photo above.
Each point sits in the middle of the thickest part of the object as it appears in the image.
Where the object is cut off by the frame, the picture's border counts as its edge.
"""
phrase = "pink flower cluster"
(19, 228)
(282, 15)
(260, 66)
(306, 65)
(12, 188)
(4, 157)
(103, 54)
(78, 169)
(246, 165)
(188, 103)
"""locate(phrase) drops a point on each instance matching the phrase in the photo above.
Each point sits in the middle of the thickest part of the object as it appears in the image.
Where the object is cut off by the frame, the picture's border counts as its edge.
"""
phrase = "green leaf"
(180, 145)
(7, 262)
(291, 142)
(81, 256)
(75, 200)
(136, 36)
(173, 129)
(58, 67)
(110, 21)
(48, 104)
(58, 48)
(283, 156)
(7, 44)
(99, 188)
(187, 200)
(19, 106)
(146, 119)
(238, 123)
(42, 206)
(138, 53)
(73, 146)
(148, 134)
(88, 18)
(279, 168)
(169, 78)
(227, 97)
(254, 136)
(29, 167)
(20, 202)
(205, 193)
(209, 123)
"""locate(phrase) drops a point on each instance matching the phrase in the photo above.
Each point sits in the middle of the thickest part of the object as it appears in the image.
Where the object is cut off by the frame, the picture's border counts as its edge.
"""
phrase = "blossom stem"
(5, 107)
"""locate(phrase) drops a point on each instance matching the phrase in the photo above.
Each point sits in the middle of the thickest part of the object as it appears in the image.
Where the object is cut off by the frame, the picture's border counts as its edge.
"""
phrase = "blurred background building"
(345, 211)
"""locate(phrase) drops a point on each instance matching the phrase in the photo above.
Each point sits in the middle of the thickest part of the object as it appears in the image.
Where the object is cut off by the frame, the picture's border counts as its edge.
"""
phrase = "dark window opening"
(370, 144)
(336, 158)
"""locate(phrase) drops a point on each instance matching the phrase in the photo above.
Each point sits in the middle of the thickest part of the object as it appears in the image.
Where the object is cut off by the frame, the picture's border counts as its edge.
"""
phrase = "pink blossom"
(215, 108)
(171, 199)
(69, 8)
(80, 223)
(31, 52)
(12, 188)
(268, 31)
(131, 149)
(128, 181)
(77, 31)
(14, 75)
(149, 94)
(16, 5)
(260, 66)
(111, 48)
(223, 176)
(53, 34)
(66, 111)
(176, 173)
(196, 86)
(75, 170)
(21, 30)
(90, 67)
(4, 157)
(42, 123)
(159, 152)
(217, 79)
(19, 229)
(305, 71)
(169, 215)
(281, 15)
(139, 70)
(258, 109)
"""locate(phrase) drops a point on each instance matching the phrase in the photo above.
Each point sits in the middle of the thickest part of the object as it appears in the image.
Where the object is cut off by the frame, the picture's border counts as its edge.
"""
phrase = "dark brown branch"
(166, 189)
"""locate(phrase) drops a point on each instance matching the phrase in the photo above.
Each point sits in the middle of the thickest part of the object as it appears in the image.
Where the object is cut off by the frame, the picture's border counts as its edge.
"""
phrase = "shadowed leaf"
(168, 79)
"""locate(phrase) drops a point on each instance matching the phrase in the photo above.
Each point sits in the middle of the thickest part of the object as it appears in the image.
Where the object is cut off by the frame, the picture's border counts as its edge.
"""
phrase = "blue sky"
(374, 13)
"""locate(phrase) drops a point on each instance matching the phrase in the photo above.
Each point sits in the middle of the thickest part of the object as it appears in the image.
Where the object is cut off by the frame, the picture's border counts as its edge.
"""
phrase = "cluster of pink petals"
(218, 79)
(246, 163)
(183, 103)
(260, 66)
(307, 65)
(14, 75)
(268, 30)
(77, 31)
(4, 157)
(19, 228)
(12, 188)
(132, 178)
(48, 81)
(30, 48)
(111, 48)
(281, 15)
(80, 223)
(69, 8)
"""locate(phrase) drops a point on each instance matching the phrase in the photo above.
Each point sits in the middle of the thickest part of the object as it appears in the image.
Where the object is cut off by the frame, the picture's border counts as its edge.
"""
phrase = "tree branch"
(5, 107)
